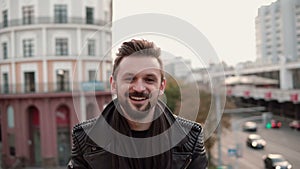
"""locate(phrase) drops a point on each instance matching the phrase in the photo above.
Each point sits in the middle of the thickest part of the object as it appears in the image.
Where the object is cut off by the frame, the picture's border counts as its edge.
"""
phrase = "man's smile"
(135, 98)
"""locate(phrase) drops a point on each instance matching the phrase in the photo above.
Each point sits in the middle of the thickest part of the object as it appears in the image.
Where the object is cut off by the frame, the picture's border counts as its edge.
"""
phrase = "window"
(5, 83)
(91, 47)
(4, 49)
(28, 15)
(92, 75)
(28, 47)
(267, 12)
(89, 15)
(5, 18)
(106, 16)
(108, 41)
(10, 117)
(29, 82)
(60, 14)
(61, 45)
(62, 77)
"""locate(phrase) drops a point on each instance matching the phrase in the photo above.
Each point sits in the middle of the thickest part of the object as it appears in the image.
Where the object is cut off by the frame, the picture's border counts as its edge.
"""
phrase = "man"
(136, 130)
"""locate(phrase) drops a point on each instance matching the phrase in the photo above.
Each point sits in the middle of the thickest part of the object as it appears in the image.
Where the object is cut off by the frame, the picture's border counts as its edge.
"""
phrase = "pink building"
(55, 62)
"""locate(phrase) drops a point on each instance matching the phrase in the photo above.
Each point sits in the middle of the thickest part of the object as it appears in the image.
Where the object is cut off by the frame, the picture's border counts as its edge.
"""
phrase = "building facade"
(278, 31)
(278, 58)
(177, 67)
(55, 62)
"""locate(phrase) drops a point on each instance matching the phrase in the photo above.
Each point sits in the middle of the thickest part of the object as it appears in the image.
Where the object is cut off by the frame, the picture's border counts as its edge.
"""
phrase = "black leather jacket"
(188, 154)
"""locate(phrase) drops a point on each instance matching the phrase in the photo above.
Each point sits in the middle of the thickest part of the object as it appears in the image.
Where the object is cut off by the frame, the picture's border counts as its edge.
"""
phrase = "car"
(255, 141)
(275, 123)
(250, 126)
(295, 124)
(276, 161)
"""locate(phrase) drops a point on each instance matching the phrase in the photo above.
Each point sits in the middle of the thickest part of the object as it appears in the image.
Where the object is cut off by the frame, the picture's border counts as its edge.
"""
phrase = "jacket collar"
(102, 128)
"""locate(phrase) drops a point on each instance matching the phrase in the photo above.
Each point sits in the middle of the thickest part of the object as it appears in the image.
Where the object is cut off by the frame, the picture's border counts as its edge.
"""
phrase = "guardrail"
(51, 20)
(54, 87)
(264, 93)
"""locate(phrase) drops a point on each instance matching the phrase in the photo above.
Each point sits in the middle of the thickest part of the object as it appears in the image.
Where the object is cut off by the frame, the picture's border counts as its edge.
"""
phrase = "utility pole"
(235, 124)
(219, 131)
(219, 95)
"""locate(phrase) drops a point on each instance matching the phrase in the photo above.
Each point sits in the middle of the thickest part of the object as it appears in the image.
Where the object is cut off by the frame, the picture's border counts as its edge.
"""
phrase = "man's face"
(138, 85)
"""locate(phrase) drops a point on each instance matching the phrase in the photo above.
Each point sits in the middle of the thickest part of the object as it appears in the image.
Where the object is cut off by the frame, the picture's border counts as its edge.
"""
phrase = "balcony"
(51, 20)
(59, 87)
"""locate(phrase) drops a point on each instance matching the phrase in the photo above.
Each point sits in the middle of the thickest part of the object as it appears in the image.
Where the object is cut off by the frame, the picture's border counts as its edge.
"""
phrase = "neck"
(142, 124)
(136, 126)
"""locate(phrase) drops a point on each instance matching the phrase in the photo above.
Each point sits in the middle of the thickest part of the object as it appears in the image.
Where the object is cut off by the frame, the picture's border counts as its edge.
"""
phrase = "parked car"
(295, 124)
(276, 123)
(250, 126)
(255, 141)
(276, 161)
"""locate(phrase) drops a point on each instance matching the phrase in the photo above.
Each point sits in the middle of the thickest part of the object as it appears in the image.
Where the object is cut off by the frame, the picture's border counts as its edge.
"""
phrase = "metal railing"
(277, 94)
(51, 20)
(54, 87)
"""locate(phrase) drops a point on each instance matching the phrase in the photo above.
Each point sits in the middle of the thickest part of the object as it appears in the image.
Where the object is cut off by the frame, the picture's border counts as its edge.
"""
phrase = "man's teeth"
(138, 98)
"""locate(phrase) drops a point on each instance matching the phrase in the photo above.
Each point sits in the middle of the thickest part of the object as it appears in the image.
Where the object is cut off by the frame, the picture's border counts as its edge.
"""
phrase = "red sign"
(247, 93)
(294, 97)
(268, 95)
(35, 118)
(62, 117)
(229, 92)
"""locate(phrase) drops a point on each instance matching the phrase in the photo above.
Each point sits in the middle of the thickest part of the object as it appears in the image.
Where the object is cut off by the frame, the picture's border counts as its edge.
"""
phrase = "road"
(284, 141)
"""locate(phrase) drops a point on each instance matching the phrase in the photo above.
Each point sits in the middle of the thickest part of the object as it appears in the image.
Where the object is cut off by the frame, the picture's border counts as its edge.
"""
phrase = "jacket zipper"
(187, 163)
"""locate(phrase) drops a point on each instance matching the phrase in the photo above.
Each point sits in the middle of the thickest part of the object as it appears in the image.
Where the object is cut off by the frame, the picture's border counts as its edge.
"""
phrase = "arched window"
(11, 136)
(10, 117)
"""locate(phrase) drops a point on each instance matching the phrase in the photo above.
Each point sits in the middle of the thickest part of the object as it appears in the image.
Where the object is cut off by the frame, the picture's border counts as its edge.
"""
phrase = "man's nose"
(139, 85)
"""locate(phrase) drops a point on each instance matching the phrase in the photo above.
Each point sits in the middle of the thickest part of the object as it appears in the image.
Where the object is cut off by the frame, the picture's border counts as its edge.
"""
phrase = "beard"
(137, 111)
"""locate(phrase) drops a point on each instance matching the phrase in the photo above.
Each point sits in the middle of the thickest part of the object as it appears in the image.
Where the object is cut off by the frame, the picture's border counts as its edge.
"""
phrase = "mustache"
(138, 94)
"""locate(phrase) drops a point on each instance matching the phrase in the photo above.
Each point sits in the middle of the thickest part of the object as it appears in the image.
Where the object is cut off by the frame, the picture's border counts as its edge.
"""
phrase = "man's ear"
(162, 86)
(113, 85)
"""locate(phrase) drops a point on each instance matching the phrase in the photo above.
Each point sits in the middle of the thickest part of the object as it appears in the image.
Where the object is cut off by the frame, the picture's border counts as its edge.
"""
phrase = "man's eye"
(127, 79)
(149, 80)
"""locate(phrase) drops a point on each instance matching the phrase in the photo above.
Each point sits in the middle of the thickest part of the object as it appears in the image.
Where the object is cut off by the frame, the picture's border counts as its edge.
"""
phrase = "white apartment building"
(278, 31)
(42, 42)
(178, 67)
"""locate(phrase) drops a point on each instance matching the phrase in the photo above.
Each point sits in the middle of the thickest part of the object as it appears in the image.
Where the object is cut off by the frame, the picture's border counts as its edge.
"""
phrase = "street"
(284, 141)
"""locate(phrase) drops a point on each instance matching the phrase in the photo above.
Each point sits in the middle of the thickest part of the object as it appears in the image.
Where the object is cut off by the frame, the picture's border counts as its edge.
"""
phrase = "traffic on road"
(257, 144)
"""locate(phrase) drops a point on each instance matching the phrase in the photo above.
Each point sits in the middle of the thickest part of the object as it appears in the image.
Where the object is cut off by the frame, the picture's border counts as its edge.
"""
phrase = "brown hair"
(137, 48)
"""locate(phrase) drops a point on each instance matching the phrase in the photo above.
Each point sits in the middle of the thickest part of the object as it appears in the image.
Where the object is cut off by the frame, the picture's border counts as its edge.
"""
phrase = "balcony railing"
(265, 93)
(54, 87)
(51, 20)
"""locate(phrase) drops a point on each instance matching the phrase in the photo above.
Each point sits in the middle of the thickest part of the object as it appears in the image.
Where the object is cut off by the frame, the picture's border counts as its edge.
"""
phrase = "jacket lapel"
(102, 160)
(180, 160)
(99, 160)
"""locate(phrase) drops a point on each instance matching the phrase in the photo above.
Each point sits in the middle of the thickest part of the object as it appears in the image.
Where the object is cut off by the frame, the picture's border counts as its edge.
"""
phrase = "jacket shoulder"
(80, 137)
(79, 134)
(195, 138)
(189, 125)
(84, 126)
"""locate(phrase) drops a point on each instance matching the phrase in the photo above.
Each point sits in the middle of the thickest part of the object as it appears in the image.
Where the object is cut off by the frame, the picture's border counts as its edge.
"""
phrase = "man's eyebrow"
(134, 74)
(150, 75)
(127, 74)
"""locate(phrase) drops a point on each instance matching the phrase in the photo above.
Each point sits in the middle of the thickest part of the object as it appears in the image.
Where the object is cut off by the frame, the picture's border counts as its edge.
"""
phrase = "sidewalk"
(42, 168)
(1, 155)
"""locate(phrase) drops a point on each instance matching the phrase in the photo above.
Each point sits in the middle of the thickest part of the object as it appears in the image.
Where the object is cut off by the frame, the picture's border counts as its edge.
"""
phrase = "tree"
(172, 93)
(175, 90)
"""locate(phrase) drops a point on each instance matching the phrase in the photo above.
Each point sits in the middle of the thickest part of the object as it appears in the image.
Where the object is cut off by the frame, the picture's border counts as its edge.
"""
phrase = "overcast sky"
(227, 24)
